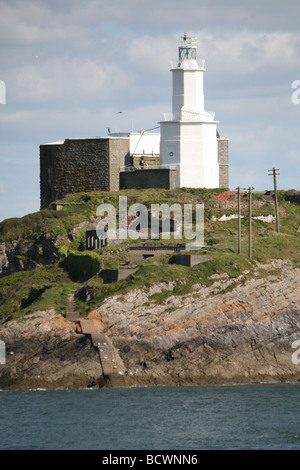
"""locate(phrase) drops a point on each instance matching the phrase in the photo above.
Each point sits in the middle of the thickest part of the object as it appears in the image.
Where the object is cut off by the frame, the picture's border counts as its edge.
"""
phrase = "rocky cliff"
(18, 255)
(237, 330)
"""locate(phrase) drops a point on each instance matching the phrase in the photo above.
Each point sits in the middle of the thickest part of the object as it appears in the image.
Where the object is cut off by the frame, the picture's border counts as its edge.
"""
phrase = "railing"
(132, 168)
(188, 116)
(188, 64)
(146, 166)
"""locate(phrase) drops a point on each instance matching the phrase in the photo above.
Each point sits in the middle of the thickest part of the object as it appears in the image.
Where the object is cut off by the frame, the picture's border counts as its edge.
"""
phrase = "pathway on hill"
(71, 314)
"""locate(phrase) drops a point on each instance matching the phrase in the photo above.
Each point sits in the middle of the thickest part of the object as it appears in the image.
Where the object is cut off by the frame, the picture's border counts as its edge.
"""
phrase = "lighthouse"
(189, 139)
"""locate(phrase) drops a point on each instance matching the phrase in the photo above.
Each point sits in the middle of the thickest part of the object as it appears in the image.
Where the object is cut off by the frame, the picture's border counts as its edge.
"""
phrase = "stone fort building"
(188, 152)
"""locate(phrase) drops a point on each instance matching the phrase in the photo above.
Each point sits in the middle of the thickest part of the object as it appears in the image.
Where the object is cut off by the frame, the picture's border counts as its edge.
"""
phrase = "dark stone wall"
(150, 178)
(93, 164)
(80, 165)
(295, 198)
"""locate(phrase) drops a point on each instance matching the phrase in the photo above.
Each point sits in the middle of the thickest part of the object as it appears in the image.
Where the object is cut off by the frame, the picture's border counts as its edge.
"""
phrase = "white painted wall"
(187, 90)
(189, 136)
(144, 143)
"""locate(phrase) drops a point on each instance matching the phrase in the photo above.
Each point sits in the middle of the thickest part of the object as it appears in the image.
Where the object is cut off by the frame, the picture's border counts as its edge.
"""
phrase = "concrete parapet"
(114, 275)
(143, 252)
(190, 260)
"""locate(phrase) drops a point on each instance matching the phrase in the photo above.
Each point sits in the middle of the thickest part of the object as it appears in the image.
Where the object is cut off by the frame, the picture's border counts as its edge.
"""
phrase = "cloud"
(152, 53)
(72, 80)
(41, 21)
(241, 52)
(96, 57)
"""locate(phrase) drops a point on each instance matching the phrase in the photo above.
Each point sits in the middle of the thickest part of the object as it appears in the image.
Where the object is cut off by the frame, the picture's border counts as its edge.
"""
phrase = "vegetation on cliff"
(49, 280)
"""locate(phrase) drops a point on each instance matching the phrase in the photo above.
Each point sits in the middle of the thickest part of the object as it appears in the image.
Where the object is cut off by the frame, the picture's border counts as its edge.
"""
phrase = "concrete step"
(117, 380)
(112, 364)
(71, 314)
(89, 327)
(73, 317)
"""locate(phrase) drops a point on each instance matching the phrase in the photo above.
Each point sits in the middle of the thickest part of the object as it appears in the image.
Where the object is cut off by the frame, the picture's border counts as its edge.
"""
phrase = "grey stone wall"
(149, 160)
(150, 178)
(79, 165)
(223, 160)
(93, 164)
(119, 156)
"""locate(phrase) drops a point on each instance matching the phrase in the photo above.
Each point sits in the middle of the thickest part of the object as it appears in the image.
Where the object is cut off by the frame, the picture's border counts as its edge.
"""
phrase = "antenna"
(188, 41)
(187, 51)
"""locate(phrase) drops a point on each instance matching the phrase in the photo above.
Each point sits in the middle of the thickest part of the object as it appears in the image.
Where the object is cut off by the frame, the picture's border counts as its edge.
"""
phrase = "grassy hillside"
(81, 271)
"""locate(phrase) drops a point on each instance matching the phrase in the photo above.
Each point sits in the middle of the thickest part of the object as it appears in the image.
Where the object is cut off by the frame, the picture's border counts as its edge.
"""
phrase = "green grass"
(18, 290)
(80, 270)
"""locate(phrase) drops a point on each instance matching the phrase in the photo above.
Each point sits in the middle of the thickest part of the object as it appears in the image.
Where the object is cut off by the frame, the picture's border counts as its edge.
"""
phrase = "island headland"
(74, 316)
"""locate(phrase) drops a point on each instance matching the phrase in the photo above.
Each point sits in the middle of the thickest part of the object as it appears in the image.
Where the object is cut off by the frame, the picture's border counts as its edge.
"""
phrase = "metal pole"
(273, 171)
(239, 220)
(250, 222)
(276, 200)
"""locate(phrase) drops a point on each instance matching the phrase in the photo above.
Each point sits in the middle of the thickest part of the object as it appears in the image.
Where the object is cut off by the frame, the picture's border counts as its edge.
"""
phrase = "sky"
(69, 67)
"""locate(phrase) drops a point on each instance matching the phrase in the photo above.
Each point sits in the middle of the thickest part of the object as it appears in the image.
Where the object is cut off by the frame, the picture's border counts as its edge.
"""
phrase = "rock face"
(235, 331)
(232, 332)
(44, 351)
(18, 255)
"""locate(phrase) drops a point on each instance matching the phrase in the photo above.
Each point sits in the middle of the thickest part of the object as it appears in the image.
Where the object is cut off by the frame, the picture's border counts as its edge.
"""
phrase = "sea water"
(262, 416)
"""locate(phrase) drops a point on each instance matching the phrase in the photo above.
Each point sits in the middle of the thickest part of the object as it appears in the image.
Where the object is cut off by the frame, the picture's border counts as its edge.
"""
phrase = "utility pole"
(274, 173)
(239, 220)
(250, 222)
(250, 219)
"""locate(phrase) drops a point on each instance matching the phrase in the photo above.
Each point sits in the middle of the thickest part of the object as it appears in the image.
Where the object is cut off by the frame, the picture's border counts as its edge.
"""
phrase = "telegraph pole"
(239, 220)
(250, 222)
(274, 172)
(250, 219)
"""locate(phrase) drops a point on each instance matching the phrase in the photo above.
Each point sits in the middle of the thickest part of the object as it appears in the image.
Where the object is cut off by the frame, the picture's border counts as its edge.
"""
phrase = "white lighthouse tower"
(189, 134)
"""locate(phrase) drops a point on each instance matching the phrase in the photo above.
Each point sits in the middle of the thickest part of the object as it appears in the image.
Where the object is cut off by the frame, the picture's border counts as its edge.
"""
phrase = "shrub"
(81, 265)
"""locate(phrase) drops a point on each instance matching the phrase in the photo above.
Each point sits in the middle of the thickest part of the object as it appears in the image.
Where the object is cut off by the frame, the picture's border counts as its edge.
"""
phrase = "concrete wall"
(148, 160)
(144, 143)
(142, 252)
(190, 260)
(114, 275)
(80, 165)
(151, 178)
(92, 241)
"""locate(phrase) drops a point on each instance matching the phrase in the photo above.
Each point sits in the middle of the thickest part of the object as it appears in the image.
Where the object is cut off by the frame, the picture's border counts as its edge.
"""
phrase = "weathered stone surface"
(77, 165)
(223, 160)
(209, 336)
(235, 331)
(44, 351)
(18, 255)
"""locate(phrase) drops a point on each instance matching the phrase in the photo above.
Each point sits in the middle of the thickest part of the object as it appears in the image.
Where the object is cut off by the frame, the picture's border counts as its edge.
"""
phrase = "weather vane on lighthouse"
(188, 49)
